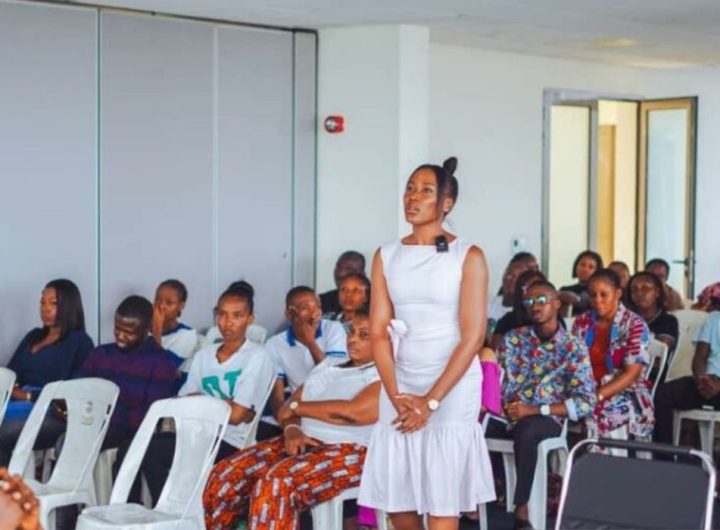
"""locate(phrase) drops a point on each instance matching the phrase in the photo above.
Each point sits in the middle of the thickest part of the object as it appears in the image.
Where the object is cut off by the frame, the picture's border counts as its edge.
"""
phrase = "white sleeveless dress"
(443, 469)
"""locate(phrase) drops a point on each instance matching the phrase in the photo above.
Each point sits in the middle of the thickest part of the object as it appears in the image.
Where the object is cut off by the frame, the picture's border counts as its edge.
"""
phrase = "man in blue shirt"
(694, 391)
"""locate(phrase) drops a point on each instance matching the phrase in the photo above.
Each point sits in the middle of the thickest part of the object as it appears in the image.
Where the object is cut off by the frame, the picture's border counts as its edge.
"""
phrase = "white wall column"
(377, 78)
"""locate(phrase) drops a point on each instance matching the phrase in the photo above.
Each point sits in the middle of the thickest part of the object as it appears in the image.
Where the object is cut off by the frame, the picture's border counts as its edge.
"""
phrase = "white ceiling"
(660, 33)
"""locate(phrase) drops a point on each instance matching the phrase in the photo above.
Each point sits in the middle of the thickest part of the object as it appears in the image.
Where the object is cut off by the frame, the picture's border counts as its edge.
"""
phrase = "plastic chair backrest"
(7, 382)
(257, 333)
(254, 332)
(605, 491)
(658, 351)
(90, 403)
(689, 323)
(200, 423)
(251, 437)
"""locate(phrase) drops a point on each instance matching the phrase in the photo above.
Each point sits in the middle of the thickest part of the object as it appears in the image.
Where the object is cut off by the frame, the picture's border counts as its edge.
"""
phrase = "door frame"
(578, 98)
(689, 103)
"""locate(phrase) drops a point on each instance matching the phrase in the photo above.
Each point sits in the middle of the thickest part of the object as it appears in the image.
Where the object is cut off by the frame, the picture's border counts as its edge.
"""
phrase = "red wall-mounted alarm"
(335, 124)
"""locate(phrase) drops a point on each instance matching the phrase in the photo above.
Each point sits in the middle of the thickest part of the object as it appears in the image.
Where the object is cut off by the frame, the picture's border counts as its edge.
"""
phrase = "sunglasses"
(538, 300)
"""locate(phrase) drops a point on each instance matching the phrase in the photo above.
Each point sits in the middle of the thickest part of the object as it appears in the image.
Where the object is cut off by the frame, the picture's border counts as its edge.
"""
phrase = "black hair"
(543, 283)
(597, 258)
(351, 255)
(619, 264)
(658, 261)
(606, 275)
(447, 183)
(522, 256)
(178, 286)
(360, 277)
(656, 281)
(240, 289)
(524, 280)
(136, 306)
(298, 289)
(70, 315)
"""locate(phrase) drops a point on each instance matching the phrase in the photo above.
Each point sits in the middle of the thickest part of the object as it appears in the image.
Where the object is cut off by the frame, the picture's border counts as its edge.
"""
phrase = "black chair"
(601, 491)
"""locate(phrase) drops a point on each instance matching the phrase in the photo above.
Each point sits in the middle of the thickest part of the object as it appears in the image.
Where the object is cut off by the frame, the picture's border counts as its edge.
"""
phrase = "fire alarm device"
(335, 124)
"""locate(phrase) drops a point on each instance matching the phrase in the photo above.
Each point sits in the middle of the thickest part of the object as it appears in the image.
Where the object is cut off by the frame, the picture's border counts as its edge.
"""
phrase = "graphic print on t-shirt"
(213, 386)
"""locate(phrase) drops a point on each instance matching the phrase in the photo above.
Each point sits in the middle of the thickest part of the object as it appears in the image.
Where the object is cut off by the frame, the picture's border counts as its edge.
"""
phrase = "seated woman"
(174, 336)
(326, 427)
(618, 342)
(576, 295)
(54, 352)
(518, 317)
(353, 295)
(647, 299)
(547, 377)
(237, 370)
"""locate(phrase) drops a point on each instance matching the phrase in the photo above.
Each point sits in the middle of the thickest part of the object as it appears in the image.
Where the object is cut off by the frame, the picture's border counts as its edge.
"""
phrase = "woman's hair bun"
(242, 287)
(450, 165)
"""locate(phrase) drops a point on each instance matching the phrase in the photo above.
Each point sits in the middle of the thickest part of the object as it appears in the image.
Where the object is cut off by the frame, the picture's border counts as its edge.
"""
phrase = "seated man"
(138, 365)
(305, 343)
(691, 392)
(661, 268)
(548, 376)
(349, 261)
(709, 298)
(326, 428)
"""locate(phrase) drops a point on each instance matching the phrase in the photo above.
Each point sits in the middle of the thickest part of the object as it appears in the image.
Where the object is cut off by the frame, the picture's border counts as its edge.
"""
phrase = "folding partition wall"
(135, 148)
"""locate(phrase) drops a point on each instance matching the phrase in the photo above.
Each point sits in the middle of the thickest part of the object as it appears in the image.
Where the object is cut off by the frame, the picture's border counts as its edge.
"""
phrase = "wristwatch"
(433, 404)
(294, 405)
(545, 410)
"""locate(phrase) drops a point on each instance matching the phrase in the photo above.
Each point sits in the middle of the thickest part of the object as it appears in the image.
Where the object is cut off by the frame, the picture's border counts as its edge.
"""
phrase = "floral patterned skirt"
(632, 407)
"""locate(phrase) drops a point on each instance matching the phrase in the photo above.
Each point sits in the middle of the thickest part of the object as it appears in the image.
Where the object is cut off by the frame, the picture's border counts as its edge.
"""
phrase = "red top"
(598, 351)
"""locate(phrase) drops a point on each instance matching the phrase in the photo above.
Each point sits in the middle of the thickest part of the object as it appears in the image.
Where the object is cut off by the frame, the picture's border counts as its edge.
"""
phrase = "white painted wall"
(377, 79)
(486, 108)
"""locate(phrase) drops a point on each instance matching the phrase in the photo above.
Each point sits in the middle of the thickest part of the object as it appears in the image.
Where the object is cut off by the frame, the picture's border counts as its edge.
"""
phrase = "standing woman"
(617, 340)
(427, 453)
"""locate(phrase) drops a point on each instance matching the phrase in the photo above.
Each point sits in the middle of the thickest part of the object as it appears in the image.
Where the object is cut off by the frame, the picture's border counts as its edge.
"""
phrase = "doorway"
(618, 178)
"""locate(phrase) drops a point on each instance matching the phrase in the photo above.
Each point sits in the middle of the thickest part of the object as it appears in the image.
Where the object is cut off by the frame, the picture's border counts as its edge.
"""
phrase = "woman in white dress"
(427, 454)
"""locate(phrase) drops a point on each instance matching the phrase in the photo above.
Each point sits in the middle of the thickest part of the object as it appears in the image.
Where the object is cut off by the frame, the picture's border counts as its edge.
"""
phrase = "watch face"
(293, 405)
(433, 404)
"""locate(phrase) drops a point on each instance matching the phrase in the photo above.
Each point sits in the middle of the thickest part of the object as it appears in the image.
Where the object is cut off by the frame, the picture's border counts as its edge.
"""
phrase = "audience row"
(323, 385)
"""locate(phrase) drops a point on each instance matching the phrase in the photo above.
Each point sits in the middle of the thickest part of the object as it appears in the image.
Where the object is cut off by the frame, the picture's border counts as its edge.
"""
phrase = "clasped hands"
(18, 504)
(413, 412)
(708, 385)
(516, 410)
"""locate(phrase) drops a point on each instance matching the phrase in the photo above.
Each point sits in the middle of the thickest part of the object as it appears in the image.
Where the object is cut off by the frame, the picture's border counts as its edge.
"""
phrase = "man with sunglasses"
(548, 376)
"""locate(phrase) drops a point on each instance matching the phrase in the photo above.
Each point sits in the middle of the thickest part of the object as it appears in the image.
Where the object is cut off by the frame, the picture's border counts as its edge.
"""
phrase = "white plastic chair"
(689, 323)
(329, 515)
(706, 418)
(658, 353)
(254, 332)
(251, 437)
(200, 425)
(7, 383)
(537, 505)
(90, 404)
